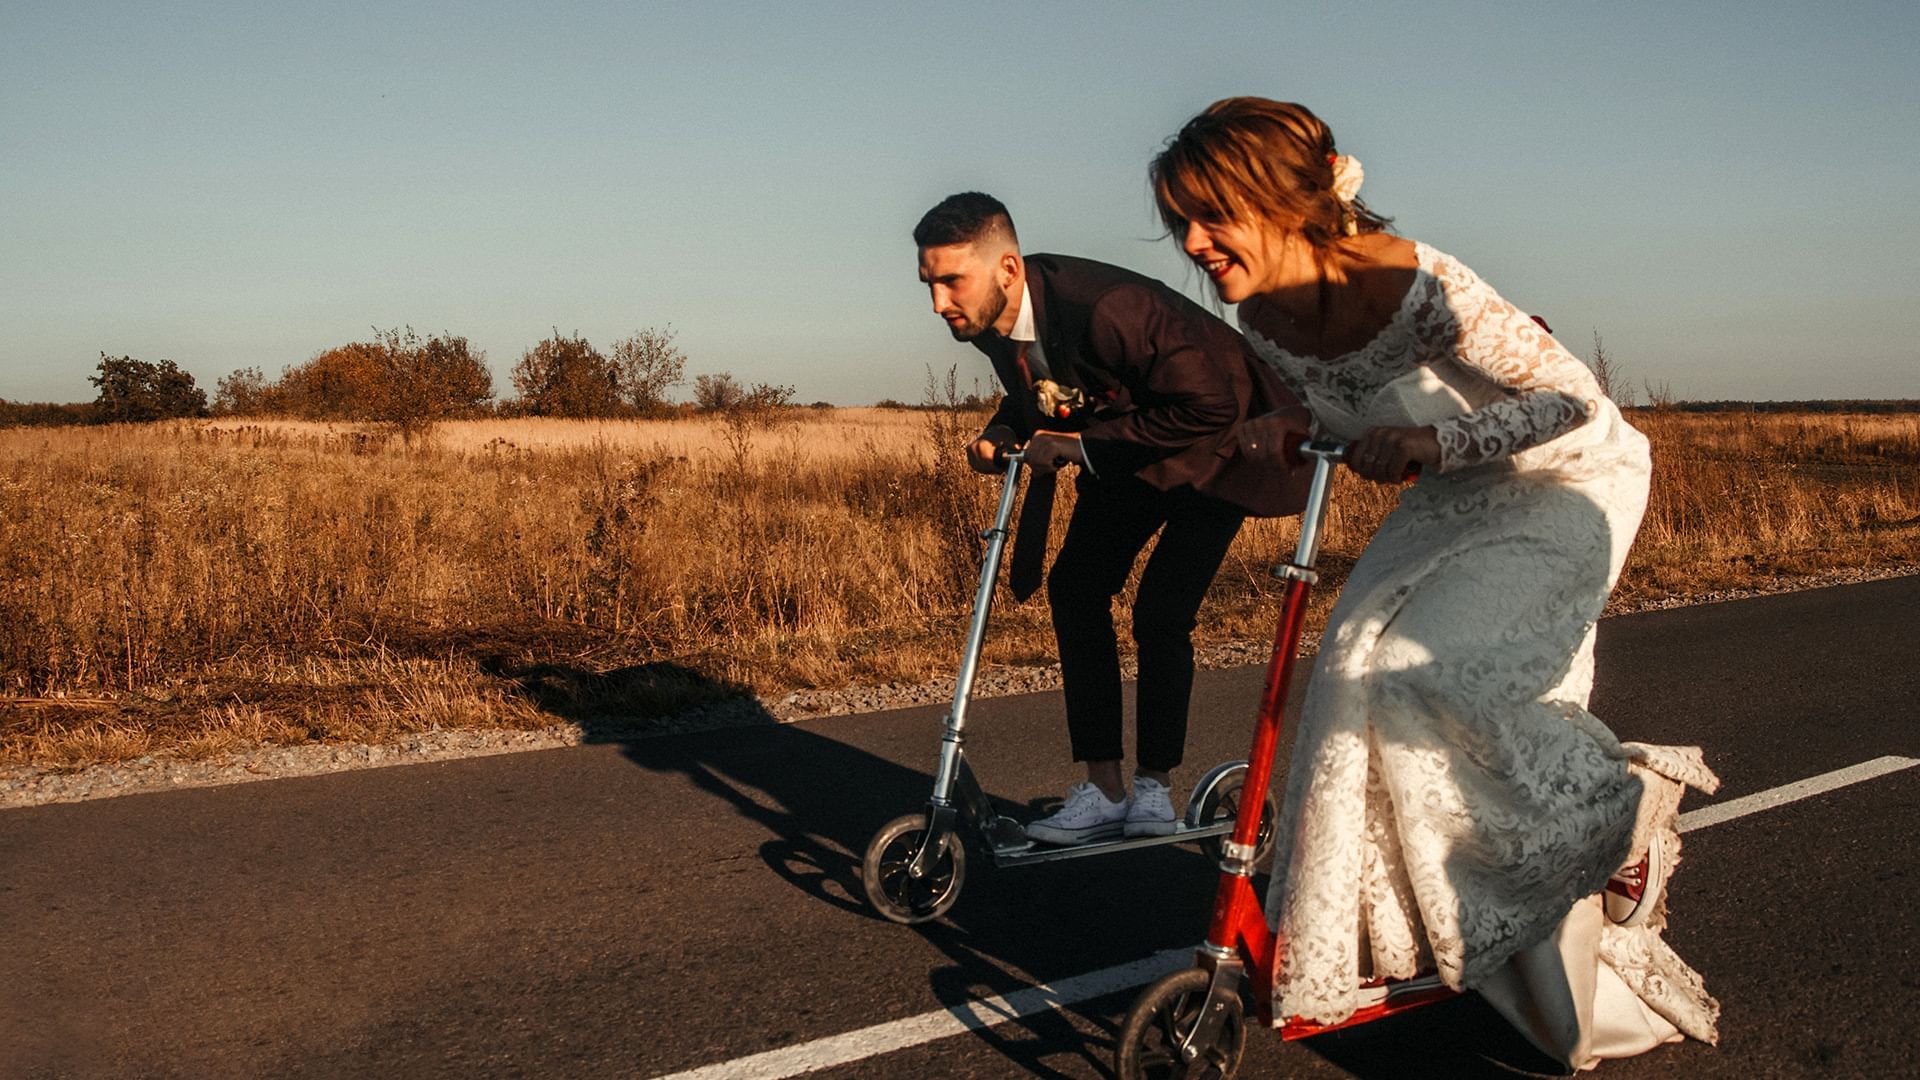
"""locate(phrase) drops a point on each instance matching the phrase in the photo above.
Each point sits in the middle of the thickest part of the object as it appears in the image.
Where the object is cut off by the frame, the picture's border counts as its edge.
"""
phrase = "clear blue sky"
(1729, 193)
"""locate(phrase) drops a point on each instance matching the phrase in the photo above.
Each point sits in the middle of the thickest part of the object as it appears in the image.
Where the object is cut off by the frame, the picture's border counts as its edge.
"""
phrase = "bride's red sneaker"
(1632, 891)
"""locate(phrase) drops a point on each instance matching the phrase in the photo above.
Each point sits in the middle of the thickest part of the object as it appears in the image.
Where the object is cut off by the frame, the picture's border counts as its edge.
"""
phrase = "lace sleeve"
(1549, 391)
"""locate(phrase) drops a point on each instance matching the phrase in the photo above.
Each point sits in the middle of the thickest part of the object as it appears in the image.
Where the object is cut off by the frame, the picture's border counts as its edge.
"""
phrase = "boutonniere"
(1056, 401)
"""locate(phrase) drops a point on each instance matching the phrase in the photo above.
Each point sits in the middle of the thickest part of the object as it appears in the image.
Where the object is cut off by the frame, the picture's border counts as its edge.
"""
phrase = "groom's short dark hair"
(963, 219)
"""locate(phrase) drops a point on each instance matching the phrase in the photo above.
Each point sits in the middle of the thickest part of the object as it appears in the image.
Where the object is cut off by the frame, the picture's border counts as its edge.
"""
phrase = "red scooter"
(1192, 1023)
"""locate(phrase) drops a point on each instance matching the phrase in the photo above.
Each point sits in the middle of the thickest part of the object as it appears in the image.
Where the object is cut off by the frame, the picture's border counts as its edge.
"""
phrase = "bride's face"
(1243, 259)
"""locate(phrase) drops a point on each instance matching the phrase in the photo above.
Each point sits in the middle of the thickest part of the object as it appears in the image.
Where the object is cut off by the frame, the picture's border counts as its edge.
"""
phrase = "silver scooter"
(916, 864)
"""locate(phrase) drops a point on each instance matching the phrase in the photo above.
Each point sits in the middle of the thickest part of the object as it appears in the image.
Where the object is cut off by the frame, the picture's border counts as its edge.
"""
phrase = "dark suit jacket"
(1167, 380)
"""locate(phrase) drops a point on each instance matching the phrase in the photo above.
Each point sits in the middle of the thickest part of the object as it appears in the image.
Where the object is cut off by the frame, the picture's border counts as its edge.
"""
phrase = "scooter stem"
(996, 538)
(1300, 577)
(1313, 516)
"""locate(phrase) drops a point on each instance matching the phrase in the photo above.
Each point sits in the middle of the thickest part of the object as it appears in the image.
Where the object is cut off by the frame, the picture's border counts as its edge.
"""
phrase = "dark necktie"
(1036, 513)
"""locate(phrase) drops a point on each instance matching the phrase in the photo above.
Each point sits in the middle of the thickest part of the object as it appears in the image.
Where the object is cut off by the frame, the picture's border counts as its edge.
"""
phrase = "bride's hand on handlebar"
(1391, 455)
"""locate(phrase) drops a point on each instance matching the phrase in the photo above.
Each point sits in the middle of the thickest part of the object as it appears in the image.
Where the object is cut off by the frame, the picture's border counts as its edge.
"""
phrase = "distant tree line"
(411, 382)
(974, 402)
(43, 413)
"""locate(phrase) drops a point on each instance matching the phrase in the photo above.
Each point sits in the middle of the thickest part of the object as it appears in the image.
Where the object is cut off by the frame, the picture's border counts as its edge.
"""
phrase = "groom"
(1143, 390)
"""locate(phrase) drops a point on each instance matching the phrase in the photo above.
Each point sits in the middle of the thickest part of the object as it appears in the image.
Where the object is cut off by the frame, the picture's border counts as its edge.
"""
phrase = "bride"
(1452, 804)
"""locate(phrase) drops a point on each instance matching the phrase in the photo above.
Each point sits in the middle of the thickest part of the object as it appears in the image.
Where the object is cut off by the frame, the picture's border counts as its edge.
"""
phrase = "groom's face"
(969, 288)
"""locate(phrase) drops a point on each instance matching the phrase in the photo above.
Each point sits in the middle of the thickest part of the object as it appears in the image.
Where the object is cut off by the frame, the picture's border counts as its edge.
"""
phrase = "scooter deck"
(1395, 997)
(1042, 853)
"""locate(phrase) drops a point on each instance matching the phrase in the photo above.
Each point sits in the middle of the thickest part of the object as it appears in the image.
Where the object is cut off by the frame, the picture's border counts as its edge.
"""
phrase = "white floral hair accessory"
(1347, 177)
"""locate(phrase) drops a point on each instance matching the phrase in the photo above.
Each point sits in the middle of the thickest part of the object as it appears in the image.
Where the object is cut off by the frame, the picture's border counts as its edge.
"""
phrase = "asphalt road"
(637, 909)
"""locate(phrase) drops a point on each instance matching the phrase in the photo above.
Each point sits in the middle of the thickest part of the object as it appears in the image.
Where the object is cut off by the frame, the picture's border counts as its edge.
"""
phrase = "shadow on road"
(815, 796)
(820, 800)
(1462, 1038)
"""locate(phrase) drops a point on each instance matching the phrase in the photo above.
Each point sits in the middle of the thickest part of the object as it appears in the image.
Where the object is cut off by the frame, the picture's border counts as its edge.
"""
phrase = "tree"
(132, 391)
(425, 382)
(721, 392)
(567, 377)
(341, 383)
(246, 392)
(717, 392)
(649, 365)
(766, 398)
(397, 378)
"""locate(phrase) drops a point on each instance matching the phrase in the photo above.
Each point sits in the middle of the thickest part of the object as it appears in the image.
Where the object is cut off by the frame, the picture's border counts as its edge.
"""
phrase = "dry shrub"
(219, 584)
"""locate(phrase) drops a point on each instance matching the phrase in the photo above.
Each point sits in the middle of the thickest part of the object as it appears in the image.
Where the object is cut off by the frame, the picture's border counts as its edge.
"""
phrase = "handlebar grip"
(1332, 450)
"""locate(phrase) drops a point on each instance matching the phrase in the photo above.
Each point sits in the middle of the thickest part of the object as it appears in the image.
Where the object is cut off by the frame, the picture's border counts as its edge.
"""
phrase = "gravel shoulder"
(22, 786)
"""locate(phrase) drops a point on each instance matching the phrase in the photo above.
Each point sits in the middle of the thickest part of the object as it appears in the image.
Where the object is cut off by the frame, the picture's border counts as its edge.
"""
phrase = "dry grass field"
(190, 588)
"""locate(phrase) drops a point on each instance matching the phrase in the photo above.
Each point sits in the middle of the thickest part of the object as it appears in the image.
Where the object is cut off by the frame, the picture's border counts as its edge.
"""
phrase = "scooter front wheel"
(887, 872)
(1220, 800)
(1162, 1019)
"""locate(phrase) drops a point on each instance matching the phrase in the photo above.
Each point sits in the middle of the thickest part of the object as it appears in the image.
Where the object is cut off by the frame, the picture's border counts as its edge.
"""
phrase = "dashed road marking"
(976, 1015)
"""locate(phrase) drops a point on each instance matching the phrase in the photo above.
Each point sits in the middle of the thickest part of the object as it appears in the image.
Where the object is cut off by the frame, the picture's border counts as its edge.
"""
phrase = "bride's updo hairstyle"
(1256, 161)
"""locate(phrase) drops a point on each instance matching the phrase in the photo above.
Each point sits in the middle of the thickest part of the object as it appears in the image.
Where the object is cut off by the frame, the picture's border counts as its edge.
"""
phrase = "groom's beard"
(978, 322)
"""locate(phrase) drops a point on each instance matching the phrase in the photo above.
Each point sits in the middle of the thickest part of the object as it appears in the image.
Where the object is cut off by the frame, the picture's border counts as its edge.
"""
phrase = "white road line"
(1799, 789)
(925, 1028)
(975, 1015)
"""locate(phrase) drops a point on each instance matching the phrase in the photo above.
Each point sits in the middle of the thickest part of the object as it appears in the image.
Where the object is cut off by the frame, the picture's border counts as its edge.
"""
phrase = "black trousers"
(1113, 520)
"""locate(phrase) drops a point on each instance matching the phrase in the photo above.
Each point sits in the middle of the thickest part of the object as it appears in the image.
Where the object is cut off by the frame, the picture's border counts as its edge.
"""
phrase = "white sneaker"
(1151, 812)
(1087, 815)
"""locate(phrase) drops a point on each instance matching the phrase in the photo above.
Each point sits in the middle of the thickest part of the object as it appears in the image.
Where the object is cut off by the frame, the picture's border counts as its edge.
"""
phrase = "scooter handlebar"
(1334, 451)
(1005, 457)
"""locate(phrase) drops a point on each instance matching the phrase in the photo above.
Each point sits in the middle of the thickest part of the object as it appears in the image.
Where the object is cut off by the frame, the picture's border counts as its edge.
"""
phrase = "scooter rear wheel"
(893, 890)
(1164, 1015)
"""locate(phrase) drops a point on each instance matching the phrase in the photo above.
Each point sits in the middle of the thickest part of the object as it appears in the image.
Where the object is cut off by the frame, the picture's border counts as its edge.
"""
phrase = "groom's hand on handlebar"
(1050, 450)
(1394, 455)
(984, 452)
(1273, 439)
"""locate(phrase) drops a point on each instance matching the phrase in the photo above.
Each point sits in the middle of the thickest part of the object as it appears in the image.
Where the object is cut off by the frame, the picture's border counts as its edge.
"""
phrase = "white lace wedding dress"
(1452, 805)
